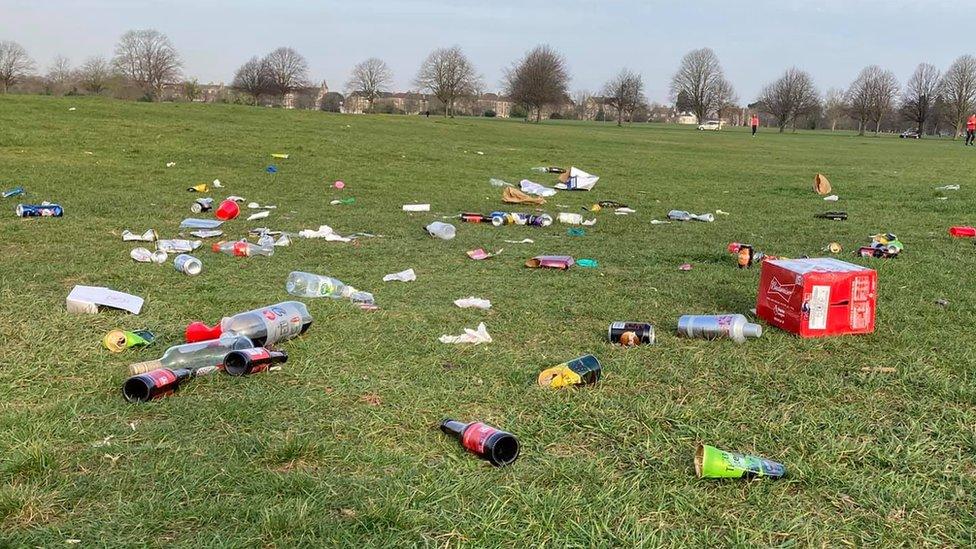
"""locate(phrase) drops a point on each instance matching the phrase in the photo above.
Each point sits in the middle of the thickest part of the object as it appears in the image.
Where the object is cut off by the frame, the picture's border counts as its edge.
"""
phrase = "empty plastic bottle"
(312, 285)
(264, 326)
(681, 215)
(548, 169)
(444, 231)
(735, 327)
(195, 356)
(243, 248)
(499, 183)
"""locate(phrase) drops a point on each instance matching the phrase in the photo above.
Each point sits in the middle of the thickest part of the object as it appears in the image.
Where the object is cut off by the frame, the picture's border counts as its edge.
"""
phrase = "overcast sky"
(755, 39)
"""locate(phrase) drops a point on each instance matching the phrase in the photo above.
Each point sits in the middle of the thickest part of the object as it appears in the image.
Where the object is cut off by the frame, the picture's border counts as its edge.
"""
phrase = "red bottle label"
(161, 377)
(475, 436)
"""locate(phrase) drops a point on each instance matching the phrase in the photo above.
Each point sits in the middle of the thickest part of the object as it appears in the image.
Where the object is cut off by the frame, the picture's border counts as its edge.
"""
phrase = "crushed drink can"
(584, 370)
(630, 334)
(142, 255)
(502, 218)
(187, 264)
(16, 191)
(120, 340)
(543, 220)
(39, 210)
(202, 205)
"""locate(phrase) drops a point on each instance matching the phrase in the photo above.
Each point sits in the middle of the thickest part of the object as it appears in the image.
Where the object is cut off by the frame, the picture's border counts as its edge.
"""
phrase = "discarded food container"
(16, 191)
(88, 299)
(194, 223)
(187, 264)
(734, 327)
(39, 210)
(227, 210)
(202, 205)
(444, 231)
(497, 447)
(120, 340)
(835, 216)
(570, 218)
(962, 232)
(576, 180)
(208, 354)
(177, 246)
(142, 255)
(416, 207)
(710, 462)
(154, 384)
(584, 370)
(630, 334)
(251, 361)
(550, 262)
(817, 297)
(480, 254)
(264, 327)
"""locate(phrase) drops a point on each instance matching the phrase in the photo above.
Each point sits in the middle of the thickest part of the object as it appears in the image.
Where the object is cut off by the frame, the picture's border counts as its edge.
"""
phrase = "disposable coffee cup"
(710, 462)
(187, 264)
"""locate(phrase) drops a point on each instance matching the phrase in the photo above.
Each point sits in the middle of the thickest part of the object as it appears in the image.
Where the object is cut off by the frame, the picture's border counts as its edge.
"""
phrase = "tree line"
(537, 82)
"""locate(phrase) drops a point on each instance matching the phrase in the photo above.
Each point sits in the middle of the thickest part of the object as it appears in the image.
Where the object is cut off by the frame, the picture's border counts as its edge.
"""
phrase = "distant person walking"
(971, 130)
(754, 122)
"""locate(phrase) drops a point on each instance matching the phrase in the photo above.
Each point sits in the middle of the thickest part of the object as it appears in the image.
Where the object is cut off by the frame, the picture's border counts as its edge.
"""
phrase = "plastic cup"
(227, 210)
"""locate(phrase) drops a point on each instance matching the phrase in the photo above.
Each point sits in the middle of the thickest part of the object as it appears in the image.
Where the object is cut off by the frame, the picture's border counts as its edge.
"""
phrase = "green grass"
(299, 457)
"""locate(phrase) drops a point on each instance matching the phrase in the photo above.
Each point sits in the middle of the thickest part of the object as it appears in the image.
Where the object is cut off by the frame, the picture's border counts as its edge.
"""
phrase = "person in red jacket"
(754, 122)
(971, 130)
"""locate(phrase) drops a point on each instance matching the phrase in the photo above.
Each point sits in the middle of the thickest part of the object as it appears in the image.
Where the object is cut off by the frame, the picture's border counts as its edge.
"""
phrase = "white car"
(713, 125)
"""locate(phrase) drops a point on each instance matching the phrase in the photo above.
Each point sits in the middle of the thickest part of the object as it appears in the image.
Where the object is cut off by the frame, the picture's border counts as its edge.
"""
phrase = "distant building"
(686, 118)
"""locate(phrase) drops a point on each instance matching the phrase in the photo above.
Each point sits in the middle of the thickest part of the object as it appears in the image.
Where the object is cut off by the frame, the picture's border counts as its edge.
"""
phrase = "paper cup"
(710, 462)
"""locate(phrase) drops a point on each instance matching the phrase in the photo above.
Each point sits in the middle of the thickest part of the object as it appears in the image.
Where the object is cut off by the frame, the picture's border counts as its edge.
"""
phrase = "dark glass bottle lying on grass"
(155, 384)
(251, 361)
(498, 447)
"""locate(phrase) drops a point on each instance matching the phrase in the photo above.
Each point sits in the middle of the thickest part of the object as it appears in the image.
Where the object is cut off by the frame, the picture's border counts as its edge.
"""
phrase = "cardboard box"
(817, 297)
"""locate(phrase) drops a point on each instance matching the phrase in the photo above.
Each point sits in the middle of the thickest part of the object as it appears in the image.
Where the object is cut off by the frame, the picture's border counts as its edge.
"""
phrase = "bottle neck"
(453, 427)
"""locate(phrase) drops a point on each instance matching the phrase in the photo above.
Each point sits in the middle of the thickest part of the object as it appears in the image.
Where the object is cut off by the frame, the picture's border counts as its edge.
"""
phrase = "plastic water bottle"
(243, 248)
(312, 285)
(264, 326)
(444, 231)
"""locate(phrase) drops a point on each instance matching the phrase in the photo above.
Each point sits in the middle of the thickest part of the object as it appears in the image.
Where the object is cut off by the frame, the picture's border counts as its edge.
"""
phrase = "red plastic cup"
(227, 210)
(963, 232)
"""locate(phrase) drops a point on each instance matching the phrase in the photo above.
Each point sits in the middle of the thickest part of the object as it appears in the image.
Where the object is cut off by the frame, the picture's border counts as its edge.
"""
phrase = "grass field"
(340, 447)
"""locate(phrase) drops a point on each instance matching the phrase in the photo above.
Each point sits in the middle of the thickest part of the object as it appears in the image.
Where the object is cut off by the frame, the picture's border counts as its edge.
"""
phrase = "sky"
(756, 40)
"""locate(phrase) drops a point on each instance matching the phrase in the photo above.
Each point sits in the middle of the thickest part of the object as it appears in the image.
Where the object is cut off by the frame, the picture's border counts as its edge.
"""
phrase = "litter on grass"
(87, 300)
(481, 254)
(177, 246)
(325, 232)
(681, 215)
(403, 276)
(511, 195)
(821, 185)
(258, 215)
(193, 223)
(149, 236)
(143, 255)
(476, 337)
(576, 180)
(530, 187)
(206, 233)
(416, 207)
(523, 241)
(562, 262)
(473, 302)
(710, 462)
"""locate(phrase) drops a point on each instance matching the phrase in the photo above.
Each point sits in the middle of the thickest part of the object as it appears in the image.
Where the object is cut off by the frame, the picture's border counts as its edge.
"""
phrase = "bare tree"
(15, 64)
(191, 90)
(252, 78)
(789, 97)
(701, 82)
(884, 94)
(369, 79)
(448, 75)
(94, 75)
(147, 58)
(58, 76)
(835, 107)
(918, 101)
(959, 91)
(538, 79)
(859, 96)
(625, 93)
(581, 101)
(286, 71)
